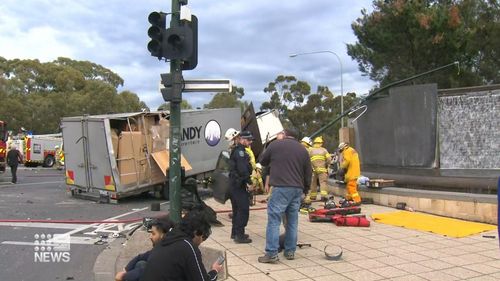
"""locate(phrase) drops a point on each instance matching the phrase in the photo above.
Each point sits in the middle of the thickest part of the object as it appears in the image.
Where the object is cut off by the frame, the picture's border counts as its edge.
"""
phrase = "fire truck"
(41, 149)
(3, 145)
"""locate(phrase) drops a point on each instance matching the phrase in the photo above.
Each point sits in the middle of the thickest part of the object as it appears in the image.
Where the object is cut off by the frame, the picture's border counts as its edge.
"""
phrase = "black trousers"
(13, 171)
(241, 208)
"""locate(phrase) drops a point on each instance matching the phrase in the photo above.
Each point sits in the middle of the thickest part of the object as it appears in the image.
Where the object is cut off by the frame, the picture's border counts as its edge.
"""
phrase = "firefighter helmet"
(231, 133)
(306, 140)
(318, 140)
(342, 146)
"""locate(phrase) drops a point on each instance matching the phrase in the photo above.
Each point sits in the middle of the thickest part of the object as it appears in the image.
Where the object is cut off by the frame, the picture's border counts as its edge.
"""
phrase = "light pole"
(341, 78)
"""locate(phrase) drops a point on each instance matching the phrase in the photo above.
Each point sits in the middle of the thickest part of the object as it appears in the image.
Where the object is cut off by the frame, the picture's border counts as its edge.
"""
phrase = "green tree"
(306, 111)
(166, 106)
(402, 38)
(228, 100)
(37, 95)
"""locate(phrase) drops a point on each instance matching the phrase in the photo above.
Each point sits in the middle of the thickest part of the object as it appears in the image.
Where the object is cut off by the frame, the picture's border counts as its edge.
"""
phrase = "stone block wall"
(469, 130)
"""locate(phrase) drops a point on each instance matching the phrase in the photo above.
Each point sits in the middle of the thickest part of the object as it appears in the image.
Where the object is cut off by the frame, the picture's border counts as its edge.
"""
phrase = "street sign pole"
(203, 85)
(175, 131)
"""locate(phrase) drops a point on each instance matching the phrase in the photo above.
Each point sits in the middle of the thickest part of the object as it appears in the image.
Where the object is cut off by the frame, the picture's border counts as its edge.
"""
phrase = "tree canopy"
(228, 100)
(36, 95)
(402, 38)
(306, 111)
(166, 106)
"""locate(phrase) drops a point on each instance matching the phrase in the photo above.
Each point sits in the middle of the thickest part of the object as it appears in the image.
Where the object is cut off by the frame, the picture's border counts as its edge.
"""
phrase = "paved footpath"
(380, 252)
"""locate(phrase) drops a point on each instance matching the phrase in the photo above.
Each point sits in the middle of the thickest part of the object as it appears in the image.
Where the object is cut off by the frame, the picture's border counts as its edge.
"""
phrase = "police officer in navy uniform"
(239, 175)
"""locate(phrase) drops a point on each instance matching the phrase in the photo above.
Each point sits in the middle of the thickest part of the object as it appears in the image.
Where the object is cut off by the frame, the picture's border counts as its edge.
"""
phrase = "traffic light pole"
(175, 132)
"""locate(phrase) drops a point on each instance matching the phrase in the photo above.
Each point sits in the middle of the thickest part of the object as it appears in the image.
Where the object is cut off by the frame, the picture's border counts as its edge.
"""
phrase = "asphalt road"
(41, 194)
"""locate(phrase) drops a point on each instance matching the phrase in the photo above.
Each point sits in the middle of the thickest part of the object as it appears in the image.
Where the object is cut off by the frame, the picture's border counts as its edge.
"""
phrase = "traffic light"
(192, 60)
(173, 85)
(178, 42)
(157, 33)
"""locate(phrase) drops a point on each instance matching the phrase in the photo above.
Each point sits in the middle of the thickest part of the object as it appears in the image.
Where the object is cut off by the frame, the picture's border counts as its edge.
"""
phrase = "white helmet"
(231, 133)
(342, 146)
(307, 140)
(258, 166)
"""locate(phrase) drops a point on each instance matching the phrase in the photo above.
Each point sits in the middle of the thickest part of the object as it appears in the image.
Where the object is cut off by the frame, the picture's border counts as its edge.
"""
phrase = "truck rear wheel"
(49, 161)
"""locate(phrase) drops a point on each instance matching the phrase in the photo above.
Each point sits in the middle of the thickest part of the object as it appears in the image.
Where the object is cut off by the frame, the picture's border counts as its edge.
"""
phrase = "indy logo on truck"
(191, 136)
(212, 133)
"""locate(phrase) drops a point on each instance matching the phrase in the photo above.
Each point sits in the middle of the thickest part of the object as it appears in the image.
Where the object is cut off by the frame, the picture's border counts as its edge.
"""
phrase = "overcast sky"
(246, 41)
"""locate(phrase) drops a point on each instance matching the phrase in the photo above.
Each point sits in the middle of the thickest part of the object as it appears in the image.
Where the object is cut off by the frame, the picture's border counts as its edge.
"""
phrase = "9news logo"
(52, 248)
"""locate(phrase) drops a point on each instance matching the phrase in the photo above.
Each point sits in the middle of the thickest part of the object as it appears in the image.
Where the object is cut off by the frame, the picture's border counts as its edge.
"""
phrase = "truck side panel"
(202, 136)
(74, 142)
(99, 164)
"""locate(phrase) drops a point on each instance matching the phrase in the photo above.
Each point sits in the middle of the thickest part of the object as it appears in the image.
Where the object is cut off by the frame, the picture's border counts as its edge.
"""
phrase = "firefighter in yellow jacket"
(256, 171)
(350, 163)
(320, 159)
(306, 142)
(256, 176)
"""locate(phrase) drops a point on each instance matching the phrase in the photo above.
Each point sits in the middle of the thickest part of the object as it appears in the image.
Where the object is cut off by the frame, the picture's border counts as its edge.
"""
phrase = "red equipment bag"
(342, 211)
(360, 221)
(330, 215)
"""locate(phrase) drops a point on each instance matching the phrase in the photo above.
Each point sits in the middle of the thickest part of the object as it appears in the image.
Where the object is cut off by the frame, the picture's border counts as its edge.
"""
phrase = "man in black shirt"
(13, 159)
(177, 256)
(135, 268)
(290, 177)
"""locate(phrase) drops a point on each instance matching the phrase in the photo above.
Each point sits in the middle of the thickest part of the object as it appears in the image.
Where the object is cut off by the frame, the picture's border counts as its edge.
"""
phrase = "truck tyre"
(49, 161)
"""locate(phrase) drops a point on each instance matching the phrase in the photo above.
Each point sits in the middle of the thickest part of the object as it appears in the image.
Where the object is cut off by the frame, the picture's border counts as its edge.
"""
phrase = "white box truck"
(113, 156)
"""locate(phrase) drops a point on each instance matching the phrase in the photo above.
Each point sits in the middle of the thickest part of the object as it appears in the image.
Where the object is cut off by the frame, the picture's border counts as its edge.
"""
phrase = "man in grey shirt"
(290, 177)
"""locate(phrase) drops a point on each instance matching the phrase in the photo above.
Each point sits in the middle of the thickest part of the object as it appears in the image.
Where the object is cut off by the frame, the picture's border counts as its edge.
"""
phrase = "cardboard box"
(162, 158)
(157, 176)
(160, 134)
(145, 123)
(164, 129)
(132, 161)
(114, 141)
(380, 183)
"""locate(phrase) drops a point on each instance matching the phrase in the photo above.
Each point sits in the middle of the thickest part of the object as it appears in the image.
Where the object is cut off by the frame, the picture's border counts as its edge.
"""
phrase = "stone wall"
(469, 129)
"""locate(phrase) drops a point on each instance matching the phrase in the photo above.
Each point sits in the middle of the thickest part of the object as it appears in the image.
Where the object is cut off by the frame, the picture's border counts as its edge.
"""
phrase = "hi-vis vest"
(252, 157)
(320, 158)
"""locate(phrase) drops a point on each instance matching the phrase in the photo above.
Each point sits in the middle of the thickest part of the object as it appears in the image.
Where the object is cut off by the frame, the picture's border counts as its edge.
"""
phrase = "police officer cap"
(246, 135)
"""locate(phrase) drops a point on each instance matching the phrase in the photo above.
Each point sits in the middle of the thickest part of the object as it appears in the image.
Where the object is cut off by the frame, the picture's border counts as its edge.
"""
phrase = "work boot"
(268, 259)
(244, 235)
(242, 240)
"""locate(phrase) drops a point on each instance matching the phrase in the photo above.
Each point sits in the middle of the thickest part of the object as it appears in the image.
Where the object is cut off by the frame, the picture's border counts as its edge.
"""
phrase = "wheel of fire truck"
(49, 161)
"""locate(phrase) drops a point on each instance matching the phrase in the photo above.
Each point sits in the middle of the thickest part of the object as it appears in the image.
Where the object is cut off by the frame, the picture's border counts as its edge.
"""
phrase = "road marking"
(73, 202)
(99, 229)
(77, 240)
(41, 225)
(108, 219)
(26, 184)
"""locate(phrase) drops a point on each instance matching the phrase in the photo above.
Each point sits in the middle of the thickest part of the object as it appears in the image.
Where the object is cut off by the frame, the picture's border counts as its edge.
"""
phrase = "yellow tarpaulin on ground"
(436, 224)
